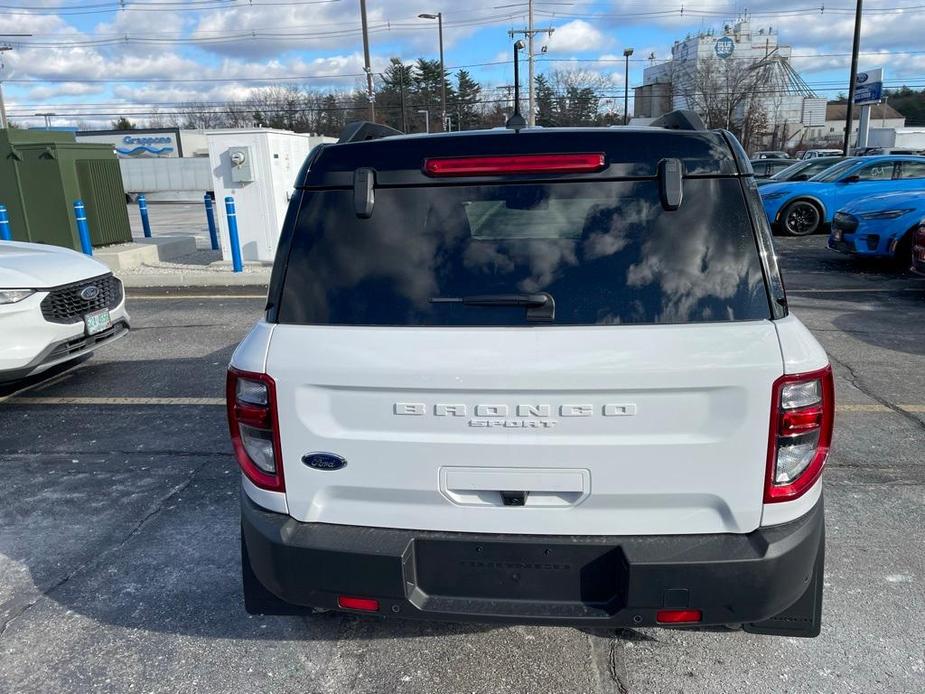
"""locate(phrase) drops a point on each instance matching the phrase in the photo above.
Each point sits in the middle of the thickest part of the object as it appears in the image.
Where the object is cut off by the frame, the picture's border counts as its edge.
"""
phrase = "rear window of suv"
(605, 251)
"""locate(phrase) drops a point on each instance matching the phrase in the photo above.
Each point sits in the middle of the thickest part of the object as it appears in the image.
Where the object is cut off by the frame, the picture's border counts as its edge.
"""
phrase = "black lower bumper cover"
(769, 581)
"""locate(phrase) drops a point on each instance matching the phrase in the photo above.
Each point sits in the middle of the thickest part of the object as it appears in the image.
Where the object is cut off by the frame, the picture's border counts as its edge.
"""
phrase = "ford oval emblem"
(862, 77)
(324, 461)
(89, 293)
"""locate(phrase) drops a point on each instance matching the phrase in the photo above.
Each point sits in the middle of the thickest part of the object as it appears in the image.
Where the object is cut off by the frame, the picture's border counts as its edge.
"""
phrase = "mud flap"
(804, 617)
(259, 600)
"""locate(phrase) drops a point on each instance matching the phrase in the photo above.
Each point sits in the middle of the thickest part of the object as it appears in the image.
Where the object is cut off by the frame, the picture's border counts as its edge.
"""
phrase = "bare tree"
(727, 93)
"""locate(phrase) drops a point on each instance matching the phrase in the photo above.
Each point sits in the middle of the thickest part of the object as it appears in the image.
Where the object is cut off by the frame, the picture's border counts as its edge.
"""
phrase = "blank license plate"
(98, 321)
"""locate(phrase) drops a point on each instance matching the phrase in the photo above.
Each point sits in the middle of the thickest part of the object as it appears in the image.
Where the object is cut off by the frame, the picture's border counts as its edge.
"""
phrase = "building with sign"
(832, 132)
(786, 102)
(147, 143)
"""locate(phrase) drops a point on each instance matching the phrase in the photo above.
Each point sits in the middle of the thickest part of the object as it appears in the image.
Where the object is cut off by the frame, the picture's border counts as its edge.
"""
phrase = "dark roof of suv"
(630, 153)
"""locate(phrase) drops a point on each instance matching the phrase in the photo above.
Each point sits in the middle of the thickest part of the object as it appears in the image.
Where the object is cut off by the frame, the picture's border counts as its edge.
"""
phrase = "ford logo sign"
(324, 461)
(862, 77)
(89, 293)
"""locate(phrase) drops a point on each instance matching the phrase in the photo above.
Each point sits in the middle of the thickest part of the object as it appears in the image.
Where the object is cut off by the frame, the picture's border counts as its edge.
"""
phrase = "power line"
(215, 107)
(255, 34)
(110, 8)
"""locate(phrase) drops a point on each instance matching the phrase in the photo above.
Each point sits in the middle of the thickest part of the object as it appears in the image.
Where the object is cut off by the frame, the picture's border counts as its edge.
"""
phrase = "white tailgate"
(611, 430)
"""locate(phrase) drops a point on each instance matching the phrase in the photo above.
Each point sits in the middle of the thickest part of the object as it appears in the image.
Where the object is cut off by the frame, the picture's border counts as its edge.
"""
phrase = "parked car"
(881, 226)
(874, 151)
(765, 168)
(56, 305)
(802, 170)
(802, 208)
(816, 153)
(918, 250)
(771, 155)
(501, 386)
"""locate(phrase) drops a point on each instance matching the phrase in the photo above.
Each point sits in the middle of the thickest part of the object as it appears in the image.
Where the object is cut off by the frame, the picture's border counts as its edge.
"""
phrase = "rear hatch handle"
(540, 306)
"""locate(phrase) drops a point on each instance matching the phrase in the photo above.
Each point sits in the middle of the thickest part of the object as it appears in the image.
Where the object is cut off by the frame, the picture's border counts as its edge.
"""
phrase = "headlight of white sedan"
(11, 296)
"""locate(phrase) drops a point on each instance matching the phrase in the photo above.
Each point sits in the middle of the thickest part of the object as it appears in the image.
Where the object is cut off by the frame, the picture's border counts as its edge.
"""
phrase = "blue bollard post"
(83, 229)
(236, 264)
(5, 233)
(210, 215)
(143, 211)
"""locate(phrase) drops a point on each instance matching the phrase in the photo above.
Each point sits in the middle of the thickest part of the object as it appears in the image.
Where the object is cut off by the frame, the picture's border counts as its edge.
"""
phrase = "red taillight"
(678, 616)
(252, 420)
(352, 603)
(515, 164)
(802, 415)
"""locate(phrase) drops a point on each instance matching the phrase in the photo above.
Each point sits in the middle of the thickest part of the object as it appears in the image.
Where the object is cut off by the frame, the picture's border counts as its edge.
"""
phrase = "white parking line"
(210, 297)
(114, 401)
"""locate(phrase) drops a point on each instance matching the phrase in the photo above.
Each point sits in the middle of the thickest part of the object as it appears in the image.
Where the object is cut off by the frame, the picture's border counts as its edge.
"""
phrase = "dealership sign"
(724, 47)
(868, 87)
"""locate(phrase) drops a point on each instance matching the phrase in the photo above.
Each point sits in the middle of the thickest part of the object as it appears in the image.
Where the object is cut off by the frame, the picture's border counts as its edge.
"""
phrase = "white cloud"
(576, 36)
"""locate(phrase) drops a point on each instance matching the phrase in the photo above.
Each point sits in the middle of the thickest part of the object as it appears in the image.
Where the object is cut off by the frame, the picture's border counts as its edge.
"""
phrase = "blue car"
(881, 226)
(803, 208)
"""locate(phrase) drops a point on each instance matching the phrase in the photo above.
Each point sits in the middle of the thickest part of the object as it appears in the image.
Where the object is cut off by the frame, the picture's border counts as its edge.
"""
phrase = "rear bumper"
(568, 580)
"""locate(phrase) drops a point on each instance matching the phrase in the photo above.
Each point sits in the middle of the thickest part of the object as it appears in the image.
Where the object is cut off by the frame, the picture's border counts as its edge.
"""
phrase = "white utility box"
(257, 168)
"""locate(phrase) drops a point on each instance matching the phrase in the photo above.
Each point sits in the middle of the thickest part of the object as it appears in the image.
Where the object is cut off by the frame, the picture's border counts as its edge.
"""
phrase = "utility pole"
(4, 47)
(849, 112)
(367, 68)
(47, 115)
(529, 33)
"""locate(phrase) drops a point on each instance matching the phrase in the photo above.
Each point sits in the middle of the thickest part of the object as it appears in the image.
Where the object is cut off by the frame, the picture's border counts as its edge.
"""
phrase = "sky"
(105, 58)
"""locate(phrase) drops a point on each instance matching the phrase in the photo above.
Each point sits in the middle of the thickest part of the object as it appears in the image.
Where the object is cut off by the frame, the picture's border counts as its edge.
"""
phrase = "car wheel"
(902, 255)
(801, 218)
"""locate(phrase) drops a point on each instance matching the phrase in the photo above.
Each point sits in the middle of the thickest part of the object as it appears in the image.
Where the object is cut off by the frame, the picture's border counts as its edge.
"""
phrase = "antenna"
(516, 121)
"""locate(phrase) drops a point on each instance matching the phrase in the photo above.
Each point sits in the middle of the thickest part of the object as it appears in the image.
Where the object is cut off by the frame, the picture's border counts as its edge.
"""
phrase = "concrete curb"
(196, 279)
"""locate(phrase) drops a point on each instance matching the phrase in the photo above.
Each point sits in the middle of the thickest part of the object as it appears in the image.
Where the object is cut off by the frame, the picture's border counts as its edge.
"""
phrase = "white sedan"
(55, 305)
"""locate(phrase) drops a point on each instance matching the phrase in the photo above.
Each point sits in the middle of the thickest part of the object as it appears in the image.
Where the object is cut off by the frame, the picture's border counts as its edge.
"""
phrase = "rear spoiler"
(361, 130)
(679, 120)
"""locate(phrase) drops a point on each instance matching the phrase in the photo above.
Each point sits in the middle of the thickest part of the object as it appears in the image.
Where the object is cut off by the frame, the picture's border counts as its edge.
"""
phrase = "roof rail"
(679, 120)
(361, 130)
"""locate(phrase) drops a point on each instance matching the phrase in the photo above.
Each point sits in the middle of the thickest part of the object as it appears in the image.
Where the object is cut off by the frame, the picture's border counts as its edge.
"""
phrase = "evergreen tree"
(468, 94)
(123, 123)
(425, 89)
(395, 88)
(545, 102)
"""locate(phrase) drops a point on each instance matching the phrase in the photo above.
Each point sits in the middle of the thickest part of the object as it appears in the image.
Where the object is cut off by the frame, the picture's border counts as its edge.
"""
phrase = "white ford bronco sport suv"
(536, 376)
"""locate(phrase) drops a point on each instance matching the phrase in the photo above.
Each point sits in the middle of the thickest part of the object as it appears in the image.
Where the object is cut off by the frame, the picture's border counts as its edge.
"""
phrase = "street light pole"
(426, 119)
(439, 17)
(849, 112)
(626, 86)
(367, 68)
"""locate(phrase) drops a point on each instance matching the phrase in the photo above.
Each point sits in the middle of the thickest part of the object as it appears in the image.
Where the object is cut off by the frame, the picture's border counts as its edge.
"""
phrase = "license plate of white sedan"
(98, 321)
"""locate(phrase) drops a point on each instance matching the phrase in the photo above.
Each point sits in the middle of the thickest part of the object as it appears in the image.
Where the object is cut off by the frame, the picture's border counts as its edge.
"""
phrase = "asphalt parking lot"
(119, 567)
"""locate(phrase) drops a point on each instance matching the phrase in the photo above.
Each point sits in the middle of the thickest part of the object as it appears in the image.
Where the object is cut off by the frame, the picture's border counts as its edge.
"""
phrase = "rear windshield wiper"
(540, 307)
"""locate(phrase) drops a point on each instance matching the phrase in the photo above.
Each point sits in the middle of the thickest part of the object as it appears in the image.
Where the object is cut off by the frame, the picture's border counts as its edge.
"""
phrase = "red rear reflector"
(351, 603)
(678, 616)
(796, 421)
(515, 164)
